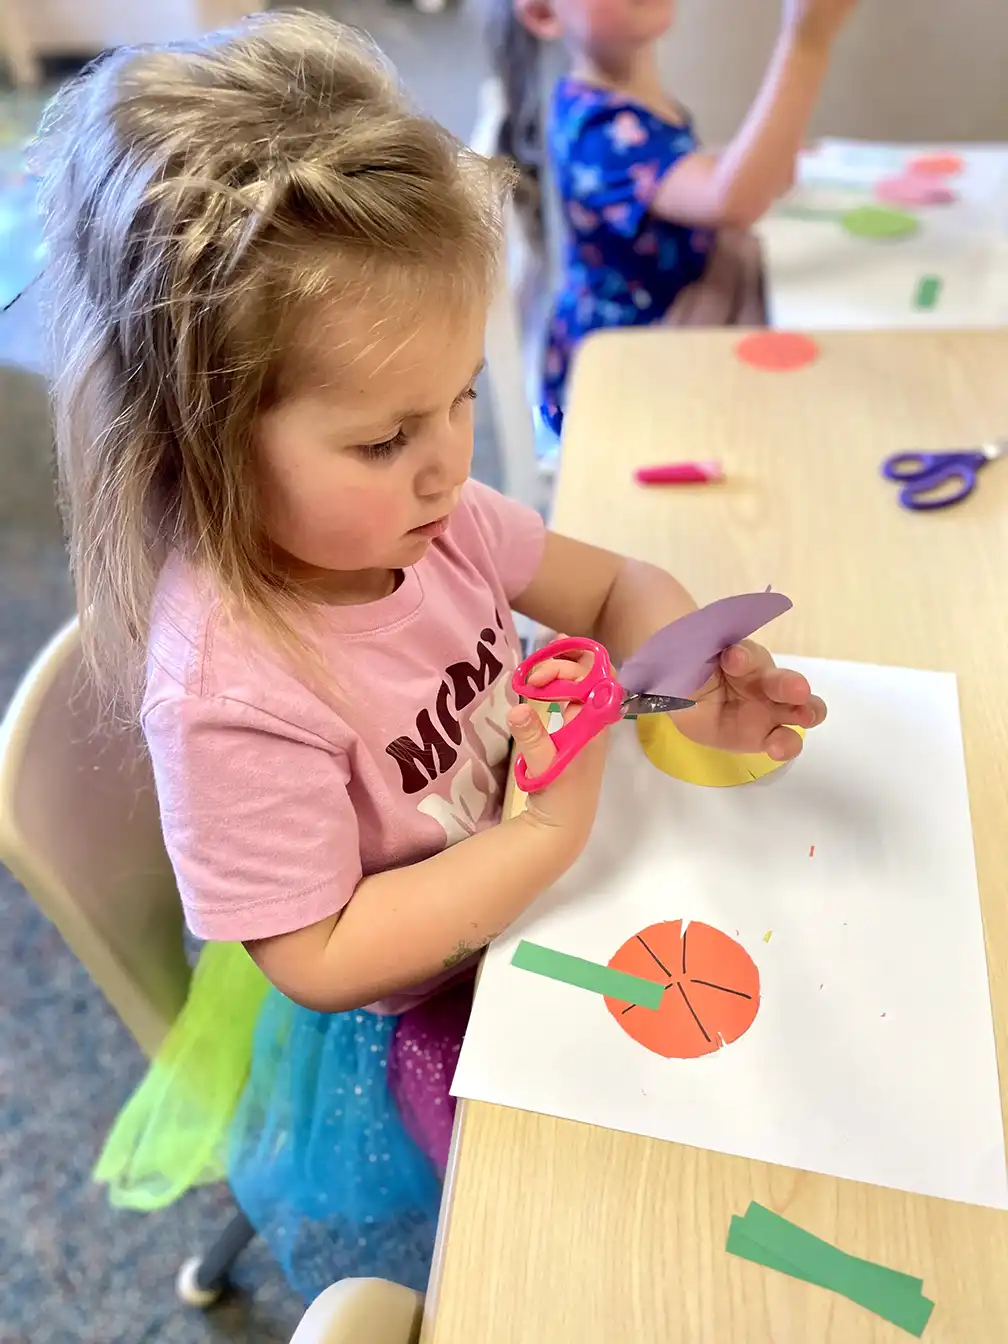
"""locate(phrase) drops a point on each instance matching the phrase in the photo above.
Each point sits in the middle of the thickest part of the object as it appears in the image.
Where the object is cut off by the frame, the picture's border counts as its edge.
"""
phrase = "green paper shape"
(587, 975)
(898, 1304)
(928, 290)
(894, 1296)
(879, 223)
(797, 1245)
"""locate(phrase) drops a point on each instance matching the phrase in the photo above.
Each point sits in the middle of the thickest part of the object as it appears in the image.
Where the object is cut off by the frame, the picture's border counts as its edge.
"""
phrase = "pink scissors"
(603, 701)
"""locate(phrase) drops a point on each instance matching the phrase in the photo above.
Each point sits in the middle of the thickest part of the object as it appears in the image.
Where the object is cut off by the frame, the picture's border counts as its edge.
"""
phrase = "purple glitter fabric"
(421, 1065)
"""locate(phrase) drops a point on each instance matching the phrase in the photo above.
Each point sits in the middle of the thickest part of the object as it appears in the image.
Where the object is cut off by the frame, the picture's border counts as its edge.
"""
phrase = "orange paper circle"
(712, 989)
(937, 165)
(777, 351)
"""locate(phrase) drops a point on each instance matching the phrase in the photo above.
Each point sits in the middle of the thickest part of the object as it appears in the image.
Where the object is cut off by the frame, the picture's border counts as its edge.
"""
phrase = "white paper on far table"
(872, 1055)
(821, 277)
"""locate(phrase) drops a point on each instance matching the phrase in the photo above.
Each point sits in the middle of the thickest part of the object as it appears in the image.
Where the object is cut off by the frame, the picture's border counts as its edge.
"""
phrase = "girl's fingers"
(808, 715)
(752, 672)
(745, 660)
(782, 744)
(560, 669)
(532, 739)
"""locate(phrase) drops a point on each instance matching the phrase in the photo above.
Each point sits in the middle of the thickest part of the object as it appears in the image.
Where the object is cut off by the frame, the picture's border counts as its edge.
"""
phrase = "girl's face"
(362, 469)
(598, 27)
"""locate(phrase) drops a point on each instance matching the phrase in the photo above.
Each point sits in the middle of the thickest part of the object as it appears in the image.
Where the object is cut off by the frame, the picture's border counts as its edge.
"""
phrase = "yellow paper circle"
(678, 756)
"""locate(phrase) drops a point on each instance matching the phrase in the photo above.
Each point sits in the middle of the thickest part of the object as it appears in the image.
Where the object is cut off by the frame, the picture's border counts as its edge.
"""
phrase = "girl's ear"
(540, 18)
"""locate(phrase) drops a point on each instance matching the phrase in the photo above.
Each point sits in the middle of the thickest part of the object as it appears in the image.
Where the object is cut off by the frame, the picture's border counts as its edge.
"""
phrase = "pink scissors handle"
(599, 693)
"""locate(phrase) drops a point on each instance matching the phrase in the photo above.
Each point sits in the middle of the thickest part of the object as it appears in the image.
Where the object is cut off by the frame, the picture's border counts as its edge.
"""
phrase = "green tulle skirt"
(173, 1132)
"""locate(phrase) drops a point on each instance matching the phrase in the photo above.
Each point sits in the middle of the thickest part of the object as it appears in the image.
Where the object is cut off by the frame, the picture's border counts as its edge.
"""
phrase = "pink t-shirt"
(275, 803)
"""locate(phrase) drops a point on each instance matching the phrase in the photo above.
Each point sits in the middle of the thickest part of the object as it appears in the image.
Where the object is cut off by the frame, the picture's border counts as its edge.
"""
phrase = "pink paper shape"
(681, 657)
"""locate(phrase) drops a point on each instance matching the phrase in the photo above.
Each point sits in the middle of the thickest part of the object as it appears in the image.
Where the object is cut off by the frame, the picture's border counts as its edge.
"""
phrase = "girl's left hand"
(749, 705)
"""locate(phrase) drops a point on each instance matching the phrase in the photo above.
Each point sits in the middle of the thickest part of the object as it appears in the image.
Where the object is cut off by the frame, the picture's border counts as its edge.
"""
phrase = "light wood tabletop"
(555, 1232)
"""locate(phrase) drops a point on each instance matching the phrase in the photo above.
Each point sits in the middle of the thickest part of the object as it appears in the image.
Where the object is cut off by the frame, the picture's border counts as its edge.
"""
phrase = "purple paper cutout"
(681, 657)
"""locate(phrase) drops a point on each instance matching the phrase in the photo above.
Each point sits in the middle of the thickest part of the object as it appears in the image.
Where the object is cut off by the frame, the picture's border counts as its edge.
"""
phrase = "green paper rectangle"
(928, 290)
(587, 975)
(887, 1293)
(795, 1244)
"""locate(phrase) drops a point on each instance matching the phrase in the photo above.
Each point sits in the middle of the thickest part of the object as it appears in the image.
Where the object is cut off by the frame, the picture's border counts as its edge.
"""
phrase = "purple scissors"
(924, 476)
(603, 701)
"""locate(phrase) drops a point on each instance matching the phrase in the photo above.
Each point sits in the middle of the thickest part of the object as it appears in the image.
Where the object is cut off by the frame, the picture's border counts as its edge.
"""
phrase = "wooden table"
(556, 1233)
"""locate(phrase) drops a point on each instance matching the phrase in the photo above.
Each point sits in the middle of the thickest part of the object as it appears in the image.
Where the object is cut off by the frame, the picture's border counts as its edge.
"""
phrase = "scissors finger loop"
(908, 466)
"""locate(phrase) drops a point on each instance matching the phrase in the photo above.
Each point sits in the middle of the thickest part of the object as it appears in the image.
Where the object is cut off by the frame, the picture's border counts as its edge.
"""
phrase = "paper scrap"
(768, 935)
(938, 165)
(683, 655)
(928, 290)
(880, 223)
(913, 189)
(589, 975)
(777, 351)
(766, 1238)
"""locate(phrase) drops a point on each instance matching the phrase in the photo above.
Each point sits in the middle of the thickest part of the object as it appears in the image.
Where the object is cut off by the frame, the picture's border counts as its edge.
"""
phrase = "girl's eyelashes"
(377, 452)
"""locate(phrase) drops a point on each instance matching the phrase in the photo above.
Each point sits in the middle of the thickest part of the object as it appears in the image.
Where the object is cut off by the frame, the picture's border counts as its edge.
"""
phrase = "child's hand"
(749, 703)
(568, 805)
(817, 22)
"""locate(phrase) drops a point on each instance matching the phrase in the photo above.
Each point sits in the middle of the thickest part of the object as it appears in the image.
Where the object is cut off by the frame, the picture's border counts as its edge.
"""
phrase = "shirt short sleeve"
(513, 534)
(615, 162)
(256, 816)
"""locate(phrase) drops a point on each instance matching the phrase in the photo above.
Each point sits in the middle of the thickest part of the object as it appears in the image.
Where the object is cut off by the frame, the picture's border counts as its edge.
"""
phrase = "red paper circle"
(777, 351)
(937, 165)
(712, 989)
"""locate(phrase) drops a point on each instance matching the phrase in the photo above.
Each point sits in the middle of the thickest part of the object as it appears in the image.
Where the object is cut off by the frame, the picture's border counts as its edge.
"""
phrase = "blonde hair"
(198, 199)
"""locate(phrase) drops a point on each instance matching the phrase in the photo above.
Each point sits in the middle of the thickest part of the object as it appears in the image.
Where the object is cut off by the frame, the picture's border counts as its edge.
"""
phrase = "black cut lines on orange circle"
(708, 984)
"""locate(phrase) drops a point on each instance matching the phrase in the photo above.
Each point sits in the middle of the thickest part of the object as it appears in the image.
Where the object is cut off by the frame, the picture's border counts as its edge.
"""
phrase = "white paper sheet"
(872, 1055)
(821, 277)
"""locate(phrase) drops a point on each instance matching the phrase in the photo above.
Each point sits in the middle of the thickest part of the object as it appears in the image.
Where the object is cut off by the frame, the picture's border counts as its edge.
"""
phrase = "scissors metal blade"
(635, 705)
(995, 449)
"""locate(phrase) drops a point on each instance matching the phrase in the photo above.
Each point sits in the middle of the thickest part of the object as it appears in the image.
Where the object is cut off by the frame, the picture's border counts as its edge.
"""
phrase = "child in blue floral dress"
(654, 226)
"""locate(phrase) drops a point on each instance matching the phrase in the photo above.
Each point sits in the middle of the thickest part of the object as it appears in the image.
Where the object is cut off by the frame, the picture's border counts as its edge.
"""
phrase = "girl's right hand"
(817, 22)
(568, 805)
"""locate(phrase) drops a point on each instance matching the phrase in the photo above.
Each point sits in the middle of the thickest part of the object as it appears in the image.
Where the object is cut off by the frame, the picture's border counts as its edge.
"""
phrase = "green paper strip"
(902, 1306)
(797, 1245)
(587, 975)
(927, 291)
(887, 1293)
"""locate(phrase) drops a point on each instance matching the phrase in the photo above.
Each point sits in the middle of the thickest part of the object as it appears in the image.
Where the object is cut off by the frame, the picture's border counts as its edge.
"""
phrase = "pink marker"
(680, 473)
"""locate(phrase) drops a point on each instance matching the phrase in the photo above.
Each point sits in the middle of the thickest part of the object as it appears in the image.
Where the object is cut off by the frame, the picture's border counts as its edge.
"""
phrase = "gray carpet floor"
(72, 1270)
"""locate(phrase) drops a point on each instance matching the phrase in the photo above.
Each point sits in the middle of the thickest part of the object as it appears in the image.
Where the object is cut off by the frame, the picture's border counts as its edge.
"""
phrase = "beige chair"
(362, 1311)
(79, 829)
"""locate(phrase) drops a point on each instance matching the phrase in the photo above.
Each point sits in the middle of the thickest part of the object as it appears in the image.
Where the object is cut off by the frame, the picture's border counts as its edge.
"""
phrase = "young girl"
(654, 226)
(269, 279)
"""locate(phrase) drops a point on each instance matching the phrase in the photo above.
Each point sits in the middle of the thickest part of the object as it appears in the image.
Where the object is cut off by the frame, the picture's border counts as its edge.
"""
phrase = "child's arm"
(738, 186)
(406, 925)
